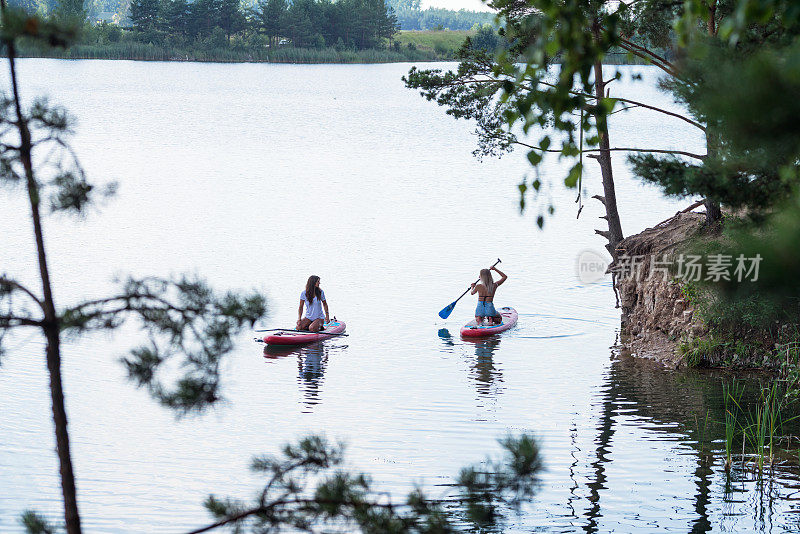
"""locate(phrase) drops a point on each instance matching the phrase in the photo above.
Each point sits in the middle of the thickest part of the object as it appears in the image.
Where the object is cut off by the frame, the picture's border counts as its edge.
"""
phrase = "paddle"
(445, 313)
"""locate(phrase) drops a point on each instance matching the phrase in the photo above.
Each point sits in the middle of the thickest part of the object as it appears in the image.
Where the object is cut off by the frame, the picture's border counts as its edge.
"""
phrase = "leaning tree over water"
(549, 78)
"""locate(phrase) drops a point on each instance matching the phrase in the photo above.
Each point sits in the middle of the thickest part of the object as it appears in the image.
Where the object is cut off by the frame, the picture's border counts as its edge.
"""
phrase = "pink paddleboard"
(298, 338)
(473, 329)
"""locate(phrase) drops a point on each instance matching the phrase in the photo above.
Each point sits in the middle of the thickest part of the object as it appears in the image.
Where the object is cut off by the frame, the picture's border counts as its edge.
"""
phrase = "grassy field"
(442, 43)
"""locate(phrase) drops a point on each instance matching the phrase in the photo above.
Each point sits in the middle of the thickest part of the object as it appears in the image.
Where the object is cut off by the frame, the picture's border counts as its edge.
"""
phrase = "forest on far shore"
(409, 13)
(282, 31)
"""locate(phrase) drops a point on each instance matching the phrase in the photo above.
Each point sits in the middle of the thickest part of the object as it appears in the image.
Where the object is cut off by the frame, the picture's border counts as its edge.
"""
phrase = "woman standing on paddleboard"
(485, 290)
(313, 298)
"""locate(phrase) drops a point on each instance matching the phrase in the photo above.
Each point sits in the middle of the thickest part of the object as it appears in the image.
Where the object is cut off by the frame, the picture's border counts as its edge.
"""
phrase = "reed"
(732, 393)
(133, 50)
(762, 432)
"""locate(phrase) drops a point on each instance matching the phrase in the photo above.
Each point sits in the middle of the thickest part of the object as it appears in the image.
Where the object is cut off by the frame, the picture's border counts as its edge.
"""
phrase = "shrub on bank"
(746, 329)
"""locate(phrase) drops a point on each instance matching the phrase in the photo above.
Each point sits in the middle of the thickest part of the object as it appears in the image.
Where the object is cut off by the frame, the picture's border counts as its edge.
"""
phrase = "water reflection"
(487, 376)
(483, 370)
(311, 363)
(639, 400)
(446, 337)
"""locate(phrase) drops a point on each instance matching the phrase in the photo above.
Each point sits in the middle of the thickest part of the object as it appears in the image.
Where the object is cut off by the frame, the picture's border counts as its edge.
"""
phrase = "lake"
(259, 175)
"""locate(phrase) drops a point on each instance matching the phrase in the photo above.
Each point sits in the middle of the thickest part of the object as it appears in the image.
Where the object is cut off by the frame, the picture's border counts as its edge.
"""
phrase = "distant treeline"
(410, 16)
(355, 24)
(306, 31)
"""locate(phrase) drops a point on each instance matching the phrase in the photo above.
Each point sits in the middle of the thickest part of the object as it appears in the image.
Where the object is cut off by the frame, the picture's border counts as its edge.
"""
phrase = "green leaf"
(545, 142)
(570, 150)
(574, 174)
(534, 157)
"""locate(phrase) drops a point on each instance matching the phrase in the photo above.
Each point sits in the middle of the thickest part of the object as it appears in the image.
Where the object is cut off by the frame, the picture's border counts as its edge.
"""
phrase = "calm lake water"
(256, 176)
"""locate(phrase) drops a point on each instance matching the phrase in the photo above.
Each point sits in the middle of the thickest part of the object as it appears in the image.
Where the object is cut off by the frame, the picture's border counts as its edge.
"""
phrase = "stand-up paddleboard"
(473, 329)
(298, 338)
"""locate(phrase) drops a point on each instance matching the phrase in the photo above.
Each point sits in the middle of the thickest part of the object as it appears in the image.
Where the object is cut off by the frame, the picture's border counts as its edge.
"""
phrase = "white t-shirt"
(314, 309)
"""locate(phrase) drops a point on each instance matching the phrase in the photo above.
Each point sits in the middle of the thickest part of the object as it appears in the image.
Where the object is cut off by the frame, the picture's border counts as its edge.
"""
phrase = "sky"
(473, 5)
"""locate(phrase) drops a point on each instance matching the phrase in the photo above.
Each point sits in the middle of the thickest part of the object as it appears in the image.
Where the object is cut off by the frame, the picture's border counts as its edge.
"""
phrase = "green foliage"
(62, 183)
(740, 83)
(360, 24)
(307, 489)
(18, 24)
(773, 300)
(217, 39)
(701, 352)
(71, 11)
(752, 161)
(250, 49)
(731, 393)
(486, 40)
(145, 14)
(470, 92)
(182, 316)
(788, 356)
(508, 82)
(34, 523)
(514, 480)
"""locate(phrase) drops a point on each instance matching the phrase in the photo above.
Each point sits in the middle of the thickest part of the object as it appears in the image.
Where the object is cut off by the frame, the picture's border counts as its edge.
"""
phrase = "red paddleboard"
(298, 338)
(473, 329)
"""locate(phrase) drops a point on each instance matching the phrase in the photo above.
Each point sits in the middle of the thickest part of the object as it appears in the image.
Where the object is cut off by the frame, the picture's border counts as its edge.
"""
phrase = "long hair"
(312, 291)
(486, 280)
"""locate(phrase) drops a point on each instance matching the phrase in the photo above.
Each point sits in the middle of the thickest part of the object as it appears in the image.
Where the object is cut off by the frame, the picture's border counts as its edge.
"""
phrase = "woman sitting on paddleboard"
(313, 298)
(485, 290)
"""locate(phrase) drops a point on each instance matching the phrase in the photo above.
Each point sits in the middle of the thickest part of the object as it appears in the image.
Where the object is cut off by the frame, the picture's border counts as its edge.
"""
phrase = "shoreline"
(279, 61)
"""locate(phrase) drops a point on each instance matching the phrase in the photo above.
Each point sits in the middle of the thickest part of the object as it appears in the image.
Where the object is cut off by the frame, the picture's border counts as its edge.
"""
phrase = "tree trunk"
(713, 210)
(68, 490)
(52, 327)
(614, 234)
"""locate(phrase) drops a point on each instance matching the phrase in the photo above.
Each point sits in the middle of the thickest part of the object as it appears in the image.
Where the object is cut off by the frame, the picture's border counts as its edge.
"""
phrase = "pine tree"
(145, 14)
(175, 16)
(230, 17)
(272, 18)
(184, 319)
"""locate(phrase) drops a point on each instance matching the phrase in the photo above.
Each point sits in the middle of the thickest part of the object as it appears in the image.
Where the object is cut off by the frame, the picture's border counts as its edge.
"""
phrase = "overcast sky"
(474, 5)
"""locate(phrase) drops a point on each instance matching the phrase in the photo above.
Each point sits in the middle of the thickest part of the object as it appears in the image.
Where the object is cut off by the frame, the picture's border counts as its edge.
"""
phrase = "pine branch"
(16, 285)
(12, 321)
(290, 502)
(616, 149)
(654, 150)
(660, 110)
(648, 52)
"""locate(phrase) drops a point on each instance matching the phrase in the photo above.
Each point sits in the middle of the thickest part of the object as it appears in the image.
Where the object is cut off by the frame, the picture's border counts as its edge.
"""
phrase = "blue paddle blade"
(445, 313)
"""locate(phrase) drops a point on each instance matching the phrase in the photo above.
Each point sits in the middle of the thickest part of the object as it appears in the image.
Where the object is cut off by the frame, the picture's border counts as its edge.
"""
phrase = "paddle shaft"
(470, 287)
